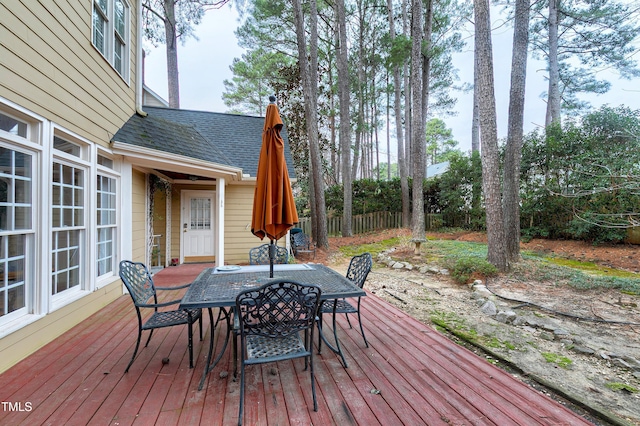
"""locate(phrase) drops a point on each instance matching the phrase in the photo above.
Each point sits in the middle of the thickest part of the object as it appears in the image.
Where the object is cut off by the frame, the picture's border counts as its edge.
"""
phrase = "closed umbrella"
(274, 209)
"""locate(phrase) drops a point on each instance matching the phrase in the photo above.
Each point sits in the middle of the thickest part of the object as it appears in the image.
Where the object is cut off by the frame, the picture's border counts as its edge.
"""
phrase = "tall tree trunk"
(553, 97)
(489, 137)
(404, 151)
(345, 126)
(418, 143)
(475, 120)
(171, 46)
(515, 131)
(388, 132)
(397, 103)
(309, 71)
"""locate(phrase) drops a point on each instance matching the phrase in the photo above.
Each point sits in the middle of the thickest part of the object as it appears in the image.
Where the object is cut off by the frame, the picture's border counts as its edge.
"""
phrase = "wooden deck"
(410, 375)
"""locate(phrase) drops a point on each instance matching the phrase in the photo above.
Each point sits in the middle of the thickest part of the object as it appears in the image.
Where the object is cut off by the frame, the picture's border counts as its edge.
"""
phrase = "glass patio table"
(218, 288)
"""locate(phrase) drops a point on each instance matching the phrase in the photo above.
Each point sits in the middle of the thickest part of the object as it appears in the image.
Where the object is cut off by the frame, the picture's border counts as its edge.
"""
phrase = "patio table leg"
(210, 366)
(337, 349)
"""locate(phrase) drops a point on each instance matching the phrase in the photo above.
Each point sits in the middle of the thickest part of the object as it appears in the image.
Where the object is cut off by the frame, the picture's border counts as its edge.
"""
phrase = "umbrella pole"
(272, 256)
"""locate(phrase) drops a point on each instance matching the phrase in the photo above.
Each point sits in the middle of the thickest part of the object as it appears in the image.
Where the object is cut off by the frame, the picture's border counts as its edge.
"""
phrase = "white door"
(198, 224)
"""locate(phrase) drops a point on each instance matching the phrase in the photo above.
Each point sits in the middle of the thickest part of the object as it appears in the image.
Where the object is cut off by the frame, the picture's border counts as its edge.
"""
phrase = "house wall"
(49, 65)
(139, 217)
(55, 80)
(237, 227)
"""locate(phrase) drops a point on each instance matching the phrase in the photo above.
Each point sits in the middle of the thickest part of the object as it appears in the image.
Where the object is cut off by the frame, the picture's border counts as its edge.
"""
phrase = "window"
(15, 227)
(200, 213)
(67, 216)
(106, 224)
(12, 125)
(110, 33)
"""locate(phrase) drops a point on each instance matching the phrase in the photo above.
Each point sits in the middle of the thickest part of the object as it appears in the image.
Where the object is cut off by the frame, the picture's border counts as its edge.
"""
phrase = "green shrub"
(463, 269)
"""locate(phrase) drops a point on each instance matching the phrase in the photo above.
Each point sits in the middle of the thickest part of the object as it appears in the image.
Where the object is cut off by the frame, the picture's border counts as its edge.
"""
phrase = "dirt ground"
(605, 322)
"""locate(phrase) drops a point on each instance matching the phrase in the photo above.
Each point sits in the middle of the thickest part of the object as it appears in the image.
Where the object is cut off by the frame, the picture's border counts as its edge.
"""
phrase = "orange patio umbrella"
(274, 209)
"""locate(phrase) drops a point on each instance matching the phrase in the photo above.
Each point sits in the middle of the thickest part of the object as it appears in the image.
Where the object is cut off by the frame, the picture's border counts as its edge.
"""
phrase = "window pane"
(22, 191)
(13, 126)
(104, 161)
(119, 17)
(15, 190)
(5, 188)
(99, 26)
(66, 146)
(23, 218)
(12, 273)
(106, 223)
(6, 160)
(118, 49)
(22, 164)
(201, 213)
(15, 299)
(66, 260)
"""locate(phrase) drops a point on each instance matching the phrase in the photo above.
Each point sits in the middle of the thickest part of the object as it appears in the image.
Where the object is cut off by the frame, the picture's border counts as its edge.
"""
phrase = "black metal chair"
(271, 319)
(138, 280)
(358, 270)
(260, 255)
(301, 243)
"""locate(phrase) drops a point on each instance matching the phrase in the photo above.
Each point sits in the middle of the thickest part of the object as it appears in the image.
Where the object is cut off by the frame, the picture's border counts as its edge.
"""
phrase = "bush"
(464, 269)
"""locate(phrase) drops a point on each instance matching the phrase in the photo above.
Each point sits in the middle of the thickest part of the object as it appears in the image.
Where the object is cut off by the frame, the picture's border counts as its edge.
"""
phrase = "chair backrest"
(137, 279)
(359, 268)
(301, 240)
(278, 308)
(260, 255)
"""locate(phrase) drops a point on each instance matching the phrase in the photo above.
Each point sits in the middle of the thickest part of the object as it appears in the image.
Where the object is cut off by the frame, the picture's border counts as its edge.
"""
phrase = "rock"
(560, 333)
(489, 308)
(547, 336)
(506, 317)
(621, 363)
(397, 265)
(583, 350)
(566, 342)
(520, 321)
(634, 363)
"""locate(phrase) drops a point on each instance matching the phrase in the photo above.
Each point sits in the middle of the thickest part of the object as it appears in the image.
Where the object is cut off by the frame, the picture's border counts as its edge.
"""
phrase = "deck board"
(422, 378)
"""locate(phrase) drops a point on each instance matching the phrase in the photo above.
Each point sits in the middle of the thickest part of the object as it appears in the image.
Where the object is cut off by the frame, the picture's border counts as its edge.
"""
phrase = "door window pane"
(200, 213)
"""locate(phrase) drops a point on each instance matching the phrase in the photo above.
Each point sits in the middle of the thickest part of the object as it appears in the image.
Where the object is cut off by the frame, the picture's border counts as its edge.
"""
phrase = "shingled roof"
(227, 139)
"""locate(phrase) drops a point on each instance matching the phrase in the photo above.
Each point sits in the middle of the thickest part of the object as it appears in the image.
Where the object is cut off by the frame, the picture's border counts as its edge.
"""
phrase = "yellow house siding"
(139, 216)
(237, 228)
(48, 64)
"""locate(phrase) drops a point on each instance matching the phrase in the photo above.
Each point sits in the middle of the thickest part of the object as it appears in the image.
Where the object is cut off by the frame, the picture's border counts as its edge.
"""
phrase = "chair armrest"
(174, 288)
(160, 305)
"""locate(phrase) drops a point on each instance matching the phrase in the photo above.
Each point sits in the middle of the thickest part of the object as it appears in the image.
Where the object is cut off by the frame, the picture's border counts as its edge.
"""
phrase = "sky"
(205, 63)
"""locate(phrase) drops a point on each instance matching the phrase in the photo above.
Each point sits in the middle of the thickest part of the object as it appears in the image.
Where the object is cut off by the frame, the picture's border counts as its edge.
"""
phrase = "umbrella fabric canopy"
(274, 209)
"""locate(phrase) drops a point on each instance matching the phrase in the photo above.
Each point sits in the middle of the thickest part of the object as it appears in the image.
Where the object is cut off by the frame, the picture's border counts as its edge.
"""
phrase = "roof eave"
(157, 159)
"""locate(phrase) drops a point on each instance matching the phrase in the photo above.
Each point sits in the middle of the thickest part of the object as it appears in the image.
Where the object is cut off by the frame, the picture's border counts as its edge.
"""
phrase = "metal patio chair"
(138, 280)
(358, 270)
(271, 319)
(301, 243)
(260, 255)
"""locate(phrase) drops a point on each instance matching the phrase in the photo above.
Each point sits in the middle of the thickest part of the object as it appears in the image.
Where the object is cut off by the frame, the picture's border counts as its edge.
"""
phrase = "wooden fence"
(369, 222)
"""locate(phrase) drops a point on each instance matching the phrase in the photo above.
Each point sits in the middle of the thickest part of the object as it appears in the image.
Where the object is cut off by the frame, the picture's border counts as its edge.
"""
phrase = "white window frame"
(30, 145)
(84, 251)
(110, 173)
(111, 35)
